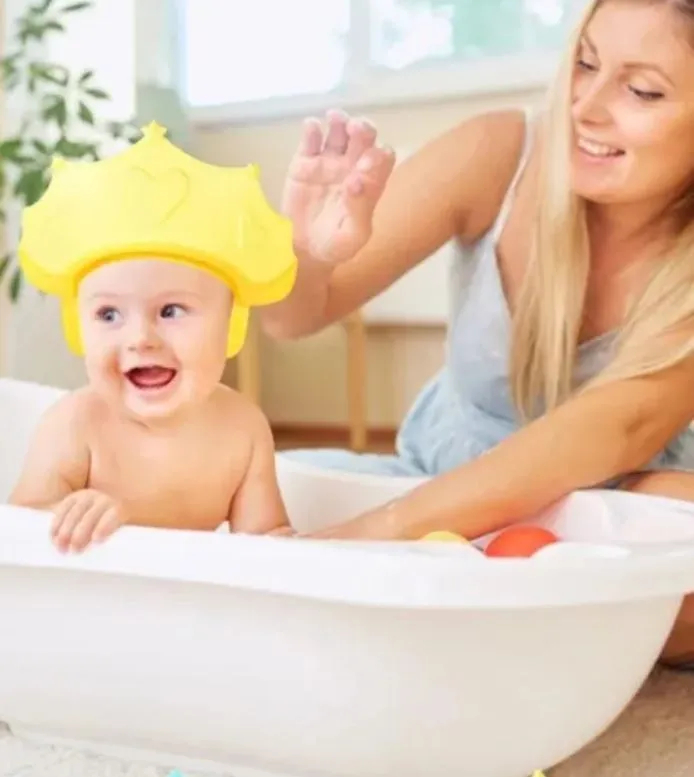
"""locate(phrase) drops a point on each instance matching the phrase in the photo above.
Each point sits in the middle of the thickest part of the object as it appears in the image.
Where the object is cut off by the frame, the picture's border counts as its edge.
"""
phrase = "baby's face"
(154, 334)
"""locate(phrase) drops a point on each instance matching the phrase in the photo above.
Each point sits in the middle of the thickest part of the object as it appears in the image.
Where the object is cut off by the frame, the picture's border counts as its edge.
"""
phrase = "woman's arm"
(603, 433)
(452, 186)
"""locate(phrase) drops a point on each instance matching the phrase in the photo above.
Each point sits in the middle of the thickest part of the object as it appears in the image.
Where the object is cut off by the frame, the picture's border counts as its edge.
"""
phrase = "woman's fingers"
(336, 138)
(343, 136)
(311, 140)
(362, 136)
(365, 184)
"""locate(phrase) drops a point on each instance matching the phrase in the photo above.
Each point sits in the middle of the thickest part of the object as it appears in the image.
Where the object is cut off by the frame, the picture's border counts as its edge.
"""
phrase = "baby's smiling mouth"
(150, 377)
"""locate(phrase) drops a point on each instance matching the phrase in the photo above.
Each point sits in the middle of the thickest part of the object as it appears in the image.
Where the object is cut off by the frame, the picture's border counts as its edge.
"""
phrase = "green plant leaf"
(55, 109)
(30, 185)
(8, 65)
(71, 149)
(27, 32)
(126, 130)
(133, 134)
(85, 113)
(11, 82)
(54, 74)
(40, 146)
(32, 29)
(16, 283)
(11, 148)
(50, 111)
(75, 7)
(98, 94)
(4, 264)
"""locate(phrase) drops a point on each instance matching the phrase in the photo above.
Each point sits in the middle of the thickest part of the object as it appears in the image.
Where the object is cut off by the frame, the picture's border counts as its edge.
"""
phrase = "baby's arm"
(55, 477)
(57, 462)
(257, 507)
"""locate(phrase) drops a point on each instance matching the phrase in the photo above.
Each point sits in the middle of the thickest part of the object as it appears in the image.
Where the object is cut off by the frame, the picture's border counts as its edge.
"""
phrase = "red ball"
(520, 541)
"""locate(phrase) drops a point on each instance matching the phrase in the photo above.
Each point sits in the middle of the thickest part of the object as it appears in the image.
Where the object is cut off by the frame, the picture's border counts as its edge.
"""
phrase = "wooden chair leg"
(248, 365)
(356, 381)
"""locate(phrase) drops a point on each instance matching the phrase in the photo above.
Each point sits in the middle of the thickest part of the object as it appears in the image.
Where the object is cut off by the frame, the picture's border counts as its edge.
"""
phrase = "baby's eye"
(172, 311)
(108, 314)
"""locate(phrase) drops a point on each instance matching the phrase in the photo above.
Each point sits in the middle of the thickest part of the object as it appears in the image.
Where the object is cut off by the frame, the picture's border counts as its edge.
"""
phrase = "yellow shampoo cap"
(153, 199)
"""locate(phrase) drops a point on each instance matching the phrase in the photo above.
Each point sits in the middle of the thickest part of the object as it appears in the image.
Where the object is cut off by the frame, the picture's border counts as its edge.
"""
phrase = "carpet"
(654, 737)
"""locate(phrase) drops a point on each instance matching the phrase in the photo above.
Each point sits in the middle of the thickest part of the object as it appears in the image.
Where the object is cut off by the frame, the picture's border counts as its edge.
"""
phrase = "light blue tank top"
(466, 409)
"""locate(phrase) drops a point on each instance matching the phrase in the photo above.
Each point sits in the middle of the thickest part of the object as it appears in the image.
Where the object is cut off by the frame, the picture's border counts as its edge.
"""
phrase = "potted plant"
(60, 117)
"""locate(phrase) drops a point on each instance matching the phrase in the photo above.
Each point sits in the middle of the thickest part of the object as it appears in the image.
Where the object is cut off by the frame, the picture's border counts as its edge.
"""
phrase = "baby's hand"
(83, 517)
(283, 531)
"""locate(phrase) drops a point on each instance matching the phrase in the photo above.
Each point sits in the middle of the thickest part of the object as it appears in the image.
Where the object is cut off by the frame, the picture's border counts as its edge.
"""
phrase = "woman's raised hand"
(335, 179)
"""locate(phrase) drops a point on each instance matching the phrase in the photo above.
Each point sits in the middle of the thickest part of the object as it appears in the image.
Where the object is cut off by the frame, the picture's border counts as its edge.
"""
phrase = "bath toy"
(520, 541)
(154, 200)
(443, 536)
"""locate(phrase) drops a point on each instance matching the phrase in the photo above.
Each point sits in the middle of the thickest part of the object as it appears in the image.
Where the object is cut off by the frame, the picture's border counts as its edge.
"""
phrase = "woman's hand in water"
(381, 523)
(85, 517)
(335, 179)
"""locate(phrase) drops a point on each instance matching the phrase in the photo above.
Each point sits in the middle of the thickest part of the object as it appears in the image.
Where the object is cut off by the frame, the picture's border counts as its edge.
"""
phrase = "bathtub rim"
(373, 574)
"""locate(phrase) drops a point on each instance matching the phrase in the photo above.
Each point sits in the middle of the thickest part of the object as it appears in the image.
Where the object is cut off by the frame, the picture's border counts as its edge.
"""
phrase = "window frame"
(366, 86)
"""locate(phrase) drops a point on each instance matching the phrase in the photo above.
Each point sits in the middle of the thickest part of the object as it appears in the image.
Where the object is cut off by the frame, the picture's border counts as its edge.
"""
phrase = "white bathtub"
(327, 659)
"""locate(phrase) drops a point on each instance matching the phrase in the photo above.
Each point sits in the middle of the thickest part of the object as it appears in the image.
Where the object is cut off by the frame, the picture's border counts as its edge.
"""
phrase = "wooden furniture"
(248, 364)
(355, 329)
(249, 375)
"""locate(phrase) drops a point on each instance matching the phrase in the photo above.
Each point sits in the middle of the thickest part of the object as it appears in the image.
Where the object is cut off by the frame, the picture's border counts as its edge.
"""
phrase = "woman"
(571, 350)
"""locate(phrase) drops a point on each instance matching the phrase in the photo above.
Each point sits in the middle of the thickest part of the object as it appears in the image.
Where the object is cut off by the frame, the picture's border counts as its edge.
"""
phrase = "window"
(242, 50)
(255, 57)
(82, 48)
(405, 33)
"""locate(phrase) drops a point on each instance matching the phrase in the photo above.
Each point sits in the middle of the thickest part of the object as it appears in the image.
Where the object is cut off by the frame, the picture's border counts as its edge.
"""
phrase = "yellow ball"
(443, 536)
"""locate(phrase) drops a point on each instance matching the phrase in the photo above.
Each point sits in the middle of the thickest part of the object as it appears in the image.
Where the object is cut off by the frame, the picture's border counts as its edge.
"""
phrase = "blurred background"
(232, 80)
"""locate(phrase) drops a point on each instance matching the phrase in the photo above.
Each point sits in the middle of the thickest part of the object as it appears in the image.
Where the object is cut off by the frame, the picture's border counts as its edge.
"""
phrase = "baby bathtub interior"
(270, 655)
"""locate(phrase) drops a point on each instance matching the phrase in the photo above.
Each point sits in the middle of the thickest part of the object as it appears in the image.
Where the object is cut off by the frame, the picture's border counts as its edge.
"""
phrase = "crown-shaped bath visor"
(154, 200)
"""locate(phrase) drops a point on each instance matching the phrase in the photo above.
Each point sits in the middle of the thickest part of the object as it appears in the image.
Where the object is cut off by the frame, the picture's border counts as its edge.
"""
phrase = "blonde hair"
(549, 313)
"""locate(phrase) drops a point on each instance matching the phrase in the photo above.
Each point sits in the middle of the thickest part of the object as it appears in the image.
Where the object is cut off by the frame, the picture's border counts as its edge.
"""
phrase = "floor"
(653, 738)
(27, 759)
(378, 441)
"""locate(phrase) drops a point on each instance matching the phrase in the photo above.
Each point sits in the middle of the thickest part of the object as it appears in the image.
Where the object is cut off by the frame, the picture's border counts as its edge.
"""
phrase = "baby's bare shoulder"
(67, 414)
(80, 411)
(242, 422)
(238, 411)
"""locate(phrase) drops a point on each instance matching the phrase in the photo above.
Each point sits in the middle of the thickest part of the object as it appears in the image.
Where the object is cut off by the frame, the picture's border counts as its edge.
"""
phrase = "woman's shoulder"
(485, 150)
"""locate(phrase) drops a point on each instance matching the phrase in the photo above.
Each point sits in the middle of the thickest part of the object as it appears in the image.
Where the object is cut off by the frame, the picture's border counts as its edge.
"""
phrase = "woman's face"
(633, 104)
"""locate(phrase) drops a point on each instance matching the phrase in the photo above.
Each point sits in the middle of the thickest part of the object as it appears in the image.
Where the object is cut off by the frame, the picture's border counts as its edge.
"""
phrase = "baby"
(154, 439)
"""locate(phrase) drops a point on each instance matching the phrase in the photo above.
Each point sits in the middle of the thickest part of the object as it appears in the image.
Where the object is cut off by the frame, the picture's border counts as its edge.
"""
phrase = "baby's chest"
(168, 485)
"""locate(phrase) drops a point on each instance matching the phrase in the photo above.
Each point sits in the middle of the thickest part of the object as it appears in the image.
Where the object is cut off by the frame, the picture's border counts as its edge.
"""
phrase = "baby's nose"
(142, 336)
